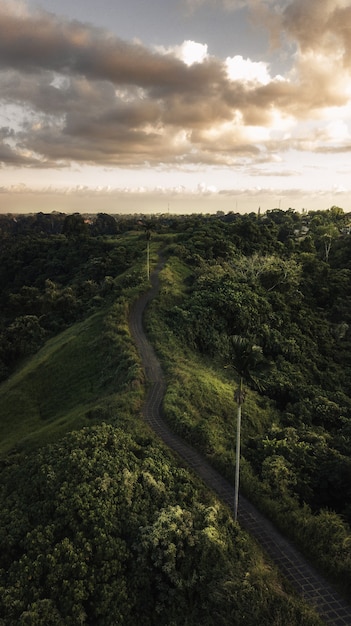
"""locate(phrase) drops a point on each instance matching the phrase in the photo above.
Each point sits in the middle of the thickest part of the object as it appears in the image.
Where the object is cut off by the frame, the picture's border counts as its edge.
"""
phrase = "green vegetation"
(76, 378)
(65, 350)
(98, 524)
(103, 529)
(279, 284)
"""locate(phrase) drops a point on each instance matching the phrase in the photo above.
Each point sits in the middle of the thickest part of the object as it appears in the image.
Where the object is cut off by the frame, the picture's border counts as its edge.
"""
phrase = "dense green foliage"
(49, 282)
(103, 529)
(102, 526)
(282, 283)
(68, 297)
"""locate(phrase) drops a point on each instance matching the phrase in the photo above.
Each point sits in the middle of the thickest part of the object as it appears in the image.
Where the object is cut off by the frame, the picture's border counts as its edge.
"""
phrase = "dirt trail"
(307, 581)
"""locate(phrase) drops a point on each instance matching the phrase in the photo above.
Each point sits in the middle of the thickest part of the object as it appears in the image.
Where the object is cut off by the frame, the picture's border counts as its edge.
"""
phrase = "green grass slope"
(79, 377)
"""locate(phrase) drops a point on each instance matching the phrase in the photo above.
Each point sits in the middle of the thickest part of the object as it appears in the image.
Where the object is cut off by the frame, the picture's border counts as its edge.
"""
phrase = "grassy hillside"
(199, 401)
(288, 465)
(83, 375)
(77, 292)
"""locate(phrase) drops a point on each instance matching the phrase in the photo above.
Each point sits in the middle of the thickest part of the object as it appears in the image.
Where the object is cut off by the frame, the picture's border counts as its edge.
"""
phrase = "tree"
(271, 271)
(74, 225)
(25, 335)
(326, 235)
(104, 225)
(148, 237)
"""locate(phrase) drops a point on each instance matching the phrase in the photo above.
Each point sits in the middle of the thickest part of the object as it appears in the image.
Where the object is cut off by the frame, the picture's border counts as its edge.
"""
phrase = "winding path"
(305, 579)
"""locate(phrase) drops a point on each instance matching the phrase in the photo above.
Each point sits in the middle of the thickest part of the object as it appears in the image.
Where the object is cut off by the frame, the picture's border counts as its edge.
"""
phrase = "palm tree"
(248, 361)
(147, 225)
(148, 237)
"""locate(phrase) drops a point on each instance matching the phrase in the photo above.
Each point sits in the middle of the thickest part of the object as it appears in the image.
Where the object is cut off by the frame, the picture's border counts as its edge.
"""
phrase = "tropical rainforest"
(99, 523)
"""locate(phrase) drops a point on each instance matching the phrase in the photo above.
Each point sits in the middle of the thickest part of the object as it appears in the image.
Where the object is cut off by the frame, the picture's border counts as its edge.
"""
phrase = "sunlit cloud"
(247, 71)
(337, 130)
(189, 52)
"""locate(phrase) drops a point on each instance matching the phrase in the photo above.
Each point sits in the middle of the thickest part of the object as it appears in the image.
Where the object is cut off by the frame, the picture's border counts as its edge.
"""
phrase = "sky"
(178, 106)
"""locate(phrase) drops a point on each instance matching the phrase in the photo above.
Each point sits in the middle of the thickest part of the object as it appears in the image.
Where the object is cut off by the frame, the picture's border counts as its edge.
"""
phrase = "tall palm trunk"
(239, 397)
(248, 361)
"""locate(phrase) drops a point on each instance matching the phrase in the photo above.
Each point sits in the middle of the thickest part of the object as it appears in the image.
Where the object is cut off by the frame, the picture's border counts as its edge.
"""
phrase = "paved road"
(306, 580)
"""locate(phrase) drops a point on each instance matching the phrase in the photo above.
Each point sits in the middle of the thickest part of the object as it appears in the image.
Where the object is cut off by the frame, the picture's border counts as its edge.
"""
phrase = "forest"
(99, 523)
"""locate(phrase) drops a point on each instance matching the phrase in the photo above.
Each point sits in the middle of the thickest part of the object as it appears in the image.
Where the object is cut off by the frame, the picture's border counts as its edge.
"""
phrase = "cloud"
(318, 24)
(35, 44)
(204, 197)
(227, 5)
(15, 154)
(337, 130)
(189, 52)
(202, 189)
(87, 96)
(247, 71)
